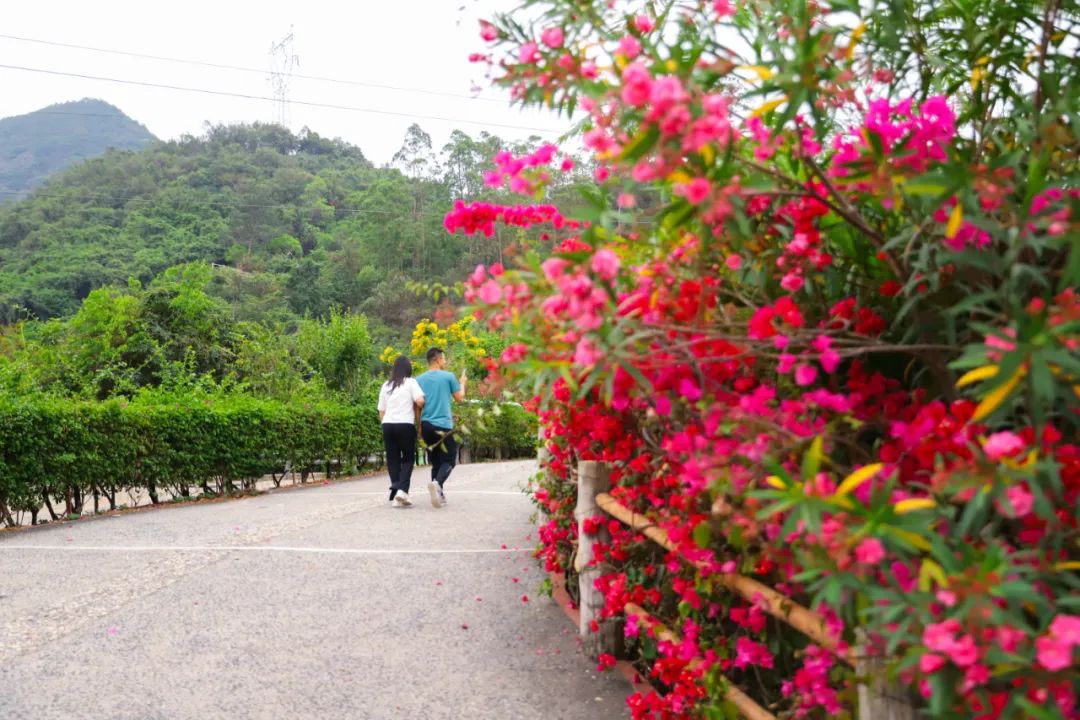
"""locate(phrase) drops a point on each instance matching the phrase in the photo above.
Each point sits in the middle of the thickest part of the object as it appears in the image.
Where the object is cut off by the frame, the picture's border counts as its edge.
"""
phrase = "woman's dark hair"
(401, 370)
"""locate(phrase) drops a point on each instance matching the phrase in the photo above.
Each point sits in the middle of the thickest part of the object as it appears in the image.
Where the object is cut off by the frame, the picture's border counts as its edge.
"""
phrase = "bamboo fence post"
(880, 698)
(592, 480)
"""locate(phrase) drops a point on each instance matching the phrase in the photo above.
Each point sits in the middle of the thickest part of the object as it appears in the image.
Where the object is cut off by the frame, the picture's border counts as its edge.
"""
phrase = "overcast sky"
(416, 44)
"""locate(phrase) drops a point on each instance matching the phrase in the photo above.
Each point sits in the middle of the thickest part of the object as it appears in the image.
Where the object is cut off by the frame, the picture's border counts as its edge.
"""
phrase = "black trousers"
(400, 442)
(442, 449)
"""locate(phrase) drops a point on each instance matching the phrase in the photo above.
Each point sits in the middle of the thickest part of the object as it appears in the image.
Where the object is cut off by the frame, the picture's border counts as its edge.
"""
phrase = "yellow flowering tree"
(462, 345)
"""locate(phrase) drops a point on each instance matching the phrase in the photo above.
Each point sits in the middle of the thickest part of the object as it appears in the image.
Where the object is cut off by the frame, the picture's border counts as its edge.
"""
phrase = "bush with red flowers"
(839, 352)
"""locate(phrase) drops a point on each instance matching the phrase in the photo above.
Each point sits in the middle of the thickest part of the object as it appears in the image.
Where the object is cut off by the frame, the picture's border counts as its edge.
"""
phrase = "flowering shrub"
(839, 353)
(457, 339)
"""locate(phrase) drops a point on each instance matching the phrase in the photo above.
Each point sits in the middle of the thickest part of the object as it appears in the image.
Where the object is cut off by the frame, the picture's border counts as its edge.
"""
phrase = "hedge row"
(496, 431)
(63, 450)
(56, 451)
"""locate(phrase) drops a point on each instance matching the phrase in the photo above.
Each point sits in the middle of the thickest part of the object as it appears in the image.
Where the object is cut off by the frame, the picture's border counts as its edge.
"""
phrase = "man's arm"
(460, 394)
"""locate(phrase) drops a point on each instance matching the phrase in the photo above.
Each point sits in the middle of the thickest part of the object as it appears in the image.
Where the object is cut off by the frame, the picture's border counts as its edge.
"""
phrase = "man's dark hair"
(433, 354)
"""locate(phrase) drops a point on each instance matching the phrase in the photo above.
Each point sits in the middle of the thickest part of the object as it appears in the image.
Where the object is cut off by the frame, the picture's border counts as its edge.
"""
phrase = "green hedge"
(497, 431)
(64, 451)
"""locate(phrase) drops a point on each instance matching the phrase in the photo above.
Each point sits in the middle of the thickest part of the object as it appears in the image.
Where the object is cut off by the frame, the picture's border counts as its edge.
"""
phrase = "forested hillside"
(295, 224)
(38, 144)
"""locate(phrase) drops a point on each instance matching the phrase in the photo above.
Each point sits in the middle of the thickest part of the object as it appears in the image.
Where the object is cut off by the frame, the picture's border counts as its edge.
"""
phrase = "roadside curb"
(562, 599)
(118, 512)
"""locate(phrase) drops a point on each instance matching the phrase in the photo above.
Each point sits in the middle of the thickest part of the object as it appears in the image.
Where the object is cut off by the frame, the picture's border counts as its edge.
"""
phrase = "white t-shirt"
(398, 403)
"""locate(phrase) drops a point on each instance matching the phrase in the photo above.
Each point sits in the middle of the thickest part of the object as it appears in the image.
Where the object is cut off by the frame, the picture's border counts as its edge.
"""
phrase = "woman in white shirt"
(400, 399)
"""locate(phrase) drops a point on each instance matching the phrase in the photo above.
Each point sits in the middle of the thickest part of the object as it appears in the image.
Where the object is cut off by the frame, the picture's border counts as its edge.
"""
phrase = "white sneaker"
(436, 492)
(402, 499)
(442, 496)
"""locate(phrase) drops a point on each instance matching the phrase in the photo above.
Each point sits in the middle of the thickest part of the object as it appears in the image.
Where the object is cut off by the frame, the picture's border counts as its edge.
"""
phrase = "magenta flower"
(1053, 653)
(630, 47)
(931, 663)
(1020, 500)
(805, 375)
(490, 292)
(529, 53)
(1067, 628)
(605, 263)
(695, 191)
(869, 552)
(1002, 445)
(964, 653)
(940, 637)
(552, 37)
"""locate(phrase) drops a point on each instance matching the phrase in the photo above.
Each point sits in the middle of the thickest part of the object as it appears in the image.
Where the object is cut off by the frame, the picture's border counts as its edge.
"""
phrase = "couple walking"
(403, 402)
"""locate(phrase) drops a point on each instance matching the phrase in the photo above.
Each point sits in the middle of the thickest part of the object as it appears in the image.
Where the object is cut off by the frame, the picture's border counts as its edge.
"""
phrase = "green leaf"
(702, 534)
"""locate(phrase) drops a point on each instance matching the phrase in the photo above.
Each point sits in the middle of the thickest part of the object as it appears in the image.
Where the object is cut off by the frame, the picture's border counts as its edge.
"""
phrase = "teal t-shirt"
(438, 386)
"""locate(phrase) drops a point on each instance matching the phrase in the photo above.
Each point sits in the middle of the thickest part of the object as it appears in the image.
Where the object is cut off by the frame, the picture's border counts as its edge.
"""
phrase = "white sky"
(407, 43)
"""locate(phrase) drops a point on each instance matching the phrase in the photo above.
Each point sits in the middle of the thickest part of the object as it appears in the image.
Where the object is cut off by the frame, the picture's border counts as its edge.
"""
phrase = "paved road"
(312, 603)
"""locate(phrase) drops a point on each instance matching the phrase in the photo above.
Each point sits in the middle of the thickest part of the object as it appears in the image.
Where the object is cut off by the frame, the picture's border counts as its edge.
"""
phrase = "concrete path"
(313, 603)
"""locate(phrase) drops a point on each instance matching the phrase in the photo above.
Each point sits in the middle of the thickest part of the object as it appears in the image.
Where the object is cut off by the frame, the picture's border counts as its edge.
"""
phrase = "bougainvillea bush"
(822, 322)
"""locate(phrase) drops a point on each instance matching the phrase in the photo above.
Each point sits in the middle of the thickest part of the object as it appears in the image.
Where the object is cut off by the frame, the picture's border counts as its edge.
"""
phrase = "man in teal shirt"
(437, 422)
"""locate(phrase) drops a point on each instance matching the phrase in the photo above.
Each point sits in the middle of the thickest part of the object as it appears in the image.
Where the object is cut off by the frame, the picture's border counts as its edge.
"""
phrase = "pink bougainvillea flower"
(696, 191)
(805, 375)
(1067, 627)
(490, 292)
(529, 53)
(488, 32)
(1021, 502)
(869, 552)
(931, 663)
(1003, 444)
(605, 263)
(637, 84)
(963, 652)
(723, 8)
(1053, 653)
(629, 47)
(552, 37)
(733, 262)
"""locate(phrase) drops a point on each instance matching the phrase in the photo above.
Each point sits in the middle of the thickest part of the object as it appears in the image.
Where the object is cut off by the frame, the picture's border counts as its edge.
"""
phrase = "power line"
(330, 106)
(241, 68)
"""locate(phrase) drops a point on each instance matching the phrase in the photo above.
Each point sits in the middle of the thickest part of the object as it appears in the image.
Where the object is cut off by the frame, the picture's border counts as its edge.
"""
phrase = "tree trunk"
(49, 507)
(5, 514)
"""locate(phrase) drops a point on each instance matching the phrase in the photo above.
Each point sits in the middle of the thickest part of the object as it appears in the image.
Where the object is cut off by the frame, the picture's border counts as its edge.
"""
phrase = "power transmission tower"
(283, 61)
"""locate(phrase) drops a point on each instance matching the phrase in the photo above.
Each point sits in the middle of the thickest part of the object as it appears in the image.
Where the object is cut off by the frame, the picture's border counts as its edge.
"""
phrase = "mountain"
(294, 224)
(38, 144)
